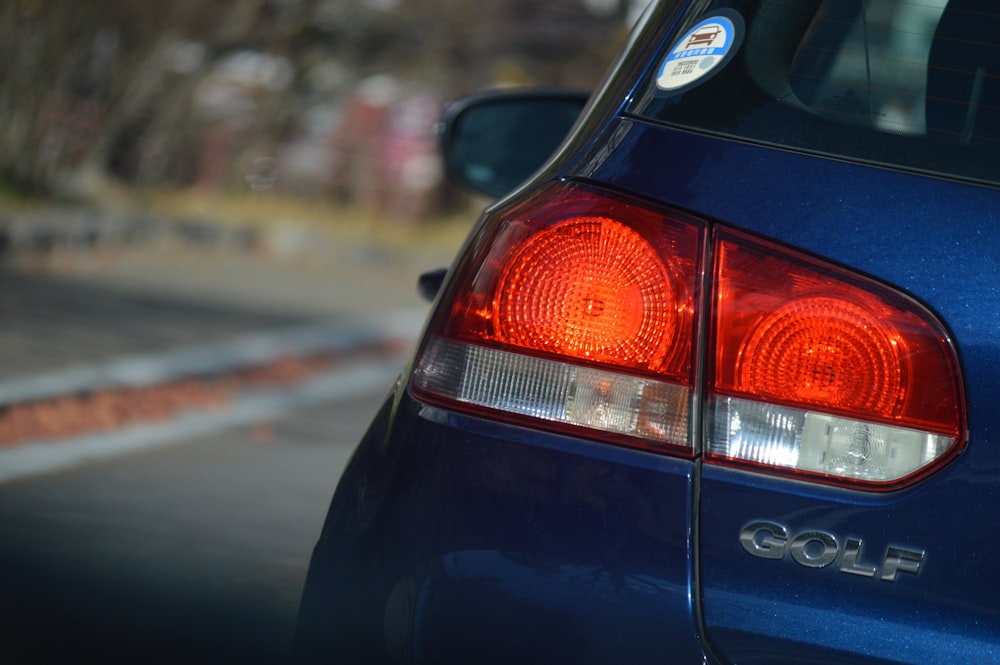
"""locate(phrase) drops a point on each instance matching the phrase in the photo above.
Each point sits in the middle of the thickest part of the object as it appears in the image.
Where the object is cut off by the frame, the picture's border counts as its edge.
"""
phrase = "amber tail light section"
(580, 311)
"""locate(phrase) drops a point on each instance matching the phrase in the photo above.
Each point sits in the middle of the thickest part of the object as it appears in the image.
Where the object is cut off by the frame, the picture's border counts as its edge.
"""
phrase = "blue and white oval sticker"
(702, 51)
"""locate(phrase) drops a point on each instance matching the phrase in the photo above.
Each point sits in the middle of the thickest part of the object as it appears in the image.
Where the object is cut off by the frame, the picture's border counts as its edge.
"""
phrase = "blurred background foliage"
(326, 100)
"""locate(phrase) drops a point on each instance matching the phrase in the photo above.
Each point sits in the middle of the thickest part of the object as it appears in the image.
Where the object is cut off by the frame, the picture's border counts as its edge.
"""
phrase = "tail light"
(581, 312)
(577, 312)
(820, 371)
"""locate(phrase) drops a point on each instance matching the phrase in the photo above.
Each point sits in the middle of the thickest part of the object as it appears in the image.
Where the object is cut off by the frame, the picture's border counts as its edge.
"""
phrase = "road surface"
(186, 540)
(194, 551)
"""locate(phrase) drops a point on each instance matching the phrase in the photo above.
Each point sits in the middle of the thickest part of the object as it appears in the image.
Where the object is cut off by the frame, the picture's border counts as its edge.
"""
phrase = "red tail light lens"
(589, 287)
(579, 312)
(844, 358)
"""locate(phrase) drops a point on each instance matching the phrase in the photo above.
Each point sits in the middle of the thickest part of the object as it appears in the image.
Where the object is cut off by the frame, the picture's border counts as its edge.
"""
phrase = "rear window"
(904, 83)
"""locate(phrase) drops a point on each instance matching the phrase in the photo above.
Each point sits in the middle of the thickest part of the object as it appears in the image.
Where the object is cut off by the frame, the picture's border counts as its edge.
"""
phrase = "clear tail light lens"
(610, 404)
(580, 312)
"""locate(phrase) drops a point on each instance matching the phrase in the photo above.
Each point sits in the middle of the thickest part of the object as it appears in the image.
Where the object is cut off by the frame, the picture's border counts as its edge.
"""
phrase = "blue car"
(719, 381)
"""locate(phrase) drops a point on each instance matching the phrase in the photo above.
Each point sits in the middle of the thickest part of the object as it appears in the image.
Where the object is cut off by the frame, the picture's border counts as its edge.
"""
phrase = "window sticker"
(701, 52)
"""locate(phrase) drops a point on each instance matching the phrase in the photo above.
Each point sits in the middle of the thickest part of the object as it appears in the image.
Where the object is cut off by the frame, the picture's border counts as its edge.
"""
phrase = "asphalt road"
(191, 552)
(187, 540)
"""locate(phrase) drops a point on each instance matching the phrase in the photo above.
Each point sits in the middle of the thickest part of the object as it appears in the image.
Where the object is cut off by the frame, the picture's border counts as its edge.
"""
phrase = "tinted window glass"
(910, 83)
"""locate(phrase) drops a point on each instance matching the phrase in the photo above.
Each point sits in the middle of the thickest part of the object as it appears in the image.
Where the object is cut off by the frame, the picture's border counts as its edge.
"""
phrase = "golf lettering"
(813, 548)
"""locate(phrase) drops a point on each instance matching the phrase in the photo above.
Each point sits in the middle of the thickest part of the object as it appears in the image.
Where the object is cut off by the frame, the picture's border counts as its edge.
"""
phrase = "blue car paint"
(929, 236)
(468, 536)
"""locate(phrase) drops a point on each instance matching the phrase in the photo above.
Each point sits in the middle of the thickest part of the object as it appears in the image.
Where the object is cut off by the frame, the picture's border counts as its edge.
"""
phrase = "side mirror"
(493, 142)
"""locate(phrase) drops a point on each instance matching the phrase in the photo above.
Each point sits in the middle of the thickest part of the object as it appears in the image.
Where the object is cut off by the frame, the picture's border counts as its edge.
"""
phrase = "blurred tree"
(88, 79)
(462, 45)
(111, 86)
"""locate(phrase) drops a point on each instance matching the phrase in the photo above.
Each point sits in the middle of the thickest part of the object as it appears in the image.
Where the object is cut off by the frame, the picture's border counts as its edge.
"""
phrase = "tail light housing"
(574, 311)
(582, 312)
(820, 371)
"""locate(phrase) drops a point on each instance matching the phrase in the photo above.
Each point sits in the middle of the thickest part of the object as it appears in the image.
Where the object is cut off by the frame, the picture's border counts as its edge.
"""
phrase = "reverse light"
(581, 312)
(557, 393)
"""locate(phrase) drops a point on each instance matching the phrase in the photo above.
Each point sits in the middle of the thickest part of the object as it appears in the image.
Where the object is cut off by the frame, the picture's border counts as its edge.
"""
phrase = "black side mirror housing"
(493, 142)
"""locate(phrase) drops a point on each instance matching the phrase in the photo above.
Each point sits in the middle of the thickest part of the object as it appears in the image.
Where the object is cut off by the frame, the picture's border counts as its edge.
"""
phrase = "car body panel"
(929, 236)
(485, 538)
(778, 611)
